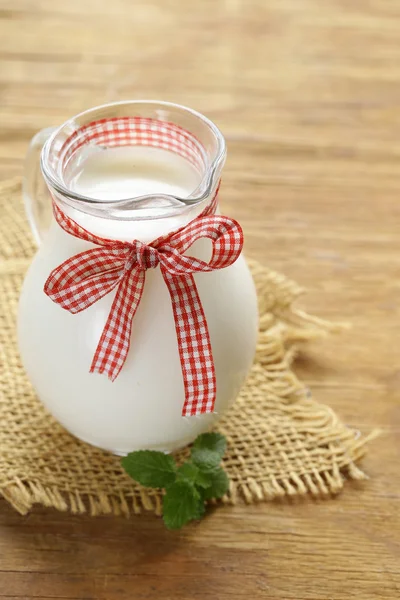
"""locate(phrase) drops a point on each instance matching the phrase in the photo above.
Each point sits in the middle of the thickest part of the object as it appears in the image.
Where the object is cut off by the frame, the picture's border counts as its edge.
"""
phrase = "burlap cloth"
(281, 442)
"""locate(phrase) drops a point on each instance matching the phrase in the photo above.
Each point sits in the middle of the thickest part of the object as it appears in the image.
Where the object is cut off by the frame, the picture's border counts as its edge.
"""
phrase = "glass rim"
(204, 189)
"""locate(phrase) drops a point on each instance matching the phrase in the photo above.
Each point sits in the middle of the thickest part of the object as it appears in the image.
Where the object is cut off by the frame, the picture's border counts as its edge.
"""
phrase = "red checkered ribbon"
(86, 277)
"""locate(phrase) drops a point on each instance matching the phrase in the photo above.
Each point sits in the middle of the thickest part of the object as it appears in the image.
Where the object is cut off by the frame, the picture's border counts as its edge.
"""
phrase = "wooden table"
(307, 93)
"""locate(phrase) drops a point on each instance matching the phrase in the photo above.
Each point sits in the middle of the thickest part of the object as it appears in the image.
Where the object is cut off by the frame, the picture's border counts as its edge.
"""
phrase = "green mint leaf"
(200, 509)
(180, 505)
(150, 468)
(207, 450)
(191, 473)
(203, 480)
(219, 485)
(211, 441)
(188, 472)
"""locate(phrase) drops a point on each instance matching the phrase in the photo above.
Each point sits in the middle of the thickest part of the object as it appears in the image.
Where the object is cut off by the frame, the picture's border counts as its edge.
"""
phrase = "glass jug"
(138, 315)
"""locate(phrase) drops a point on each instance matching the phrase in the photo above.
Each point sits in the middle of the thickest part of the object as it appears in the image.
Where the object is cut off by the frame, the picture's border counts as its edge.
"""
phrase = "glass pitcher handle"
(35, 192)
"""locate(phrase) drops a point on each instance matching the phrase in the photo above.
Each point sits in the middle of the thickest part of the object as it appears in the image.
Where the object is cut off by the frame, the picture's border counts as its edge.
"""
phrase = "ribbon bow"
(86, 277)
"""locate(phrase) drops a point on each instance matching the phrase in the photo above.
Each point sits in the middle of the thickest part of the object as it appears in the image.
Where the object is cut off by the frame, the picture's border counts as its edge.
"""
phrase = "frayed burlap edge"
(282, 328)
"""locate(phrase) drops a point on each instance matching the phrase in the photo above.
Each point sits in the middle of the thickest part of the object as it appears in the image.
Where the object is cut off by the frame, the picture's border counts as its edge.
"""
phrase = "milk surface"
(126, 172)
(120, 173)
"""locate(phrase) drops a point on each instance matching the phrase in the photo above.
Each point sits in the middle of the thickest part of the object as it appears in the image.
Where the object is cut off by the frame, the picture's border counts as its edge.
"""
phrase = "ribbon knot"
(83, 279)
(146, 256)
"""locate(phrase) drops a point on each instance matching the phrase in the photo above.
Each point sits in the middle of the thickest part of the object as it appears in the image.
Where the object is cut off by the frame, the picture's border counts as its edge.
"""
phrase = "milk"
(131, 171)
(142, 407)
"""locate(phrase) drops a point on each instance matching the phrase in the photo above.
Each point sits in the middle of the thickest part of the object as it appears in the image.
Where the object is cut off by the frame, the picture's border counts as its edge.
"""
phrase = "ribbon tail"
(113, 347)
(194, 344)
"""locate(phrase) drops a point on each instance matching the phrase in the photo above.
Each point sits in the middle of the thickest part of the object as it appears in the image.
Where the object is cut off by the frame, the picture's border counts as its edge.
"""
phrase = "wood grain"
(307, 93)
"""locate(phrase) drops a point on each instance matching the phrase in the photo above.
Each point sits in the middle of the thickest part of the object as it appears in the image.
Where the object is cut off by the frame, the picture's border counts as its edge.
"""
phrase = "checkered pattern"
(86, 277)
(134, 131)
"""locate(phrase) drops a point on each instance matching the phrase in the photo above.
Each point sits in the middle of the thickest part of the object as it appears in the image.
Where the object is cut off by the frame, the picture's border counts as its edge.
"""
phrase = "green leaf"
(150, 468)
(180, 505)
(200, 510)
(191, 473)
(208, 450)
(211, 441)
(188, 472)
(219, 485)
(203, 479)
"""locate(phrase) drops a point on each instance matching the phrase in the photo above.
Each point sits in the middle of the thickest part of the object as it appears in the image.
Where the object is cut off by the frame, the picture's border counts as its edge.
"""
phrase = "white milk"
(126, 172)
(142, 407)
(129, 172)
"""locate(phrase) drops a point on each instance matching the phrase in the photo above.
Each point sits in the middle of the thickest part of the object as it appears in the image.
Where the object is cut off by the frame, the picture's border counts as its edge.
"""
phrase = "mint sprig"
(188, 486)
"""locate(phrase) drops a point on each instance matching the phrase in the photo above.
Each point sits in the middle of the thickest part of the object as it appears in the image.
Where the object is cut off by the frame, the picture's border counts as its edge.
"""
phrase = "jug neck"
(134, 160)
